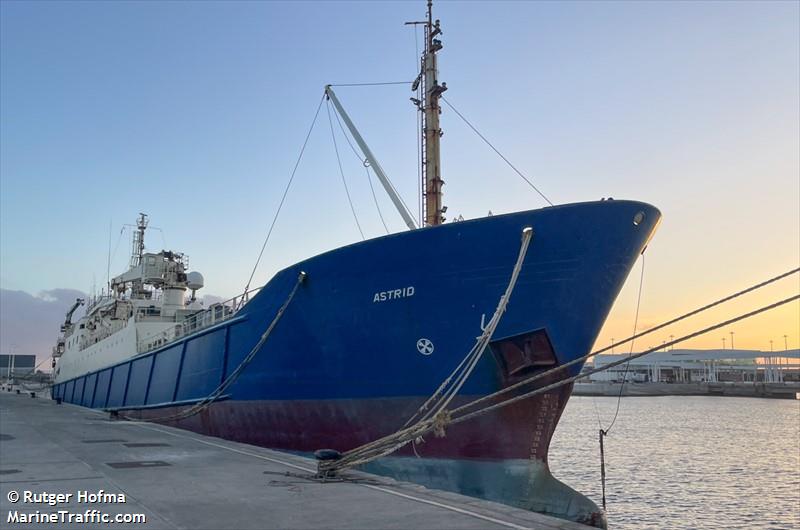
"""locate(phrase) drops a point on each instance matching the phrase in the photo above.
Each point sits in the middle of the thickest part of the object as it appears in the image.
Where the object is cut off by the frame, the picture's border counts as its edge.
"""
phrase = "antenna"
(108, 263)
(138, 240)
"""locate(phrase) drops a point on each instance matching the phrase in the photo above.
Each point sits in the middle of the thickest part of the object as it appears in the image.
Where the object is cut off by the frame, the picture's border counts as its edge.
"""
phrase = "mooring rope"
(471, 359)
(608, 366)
(444, 418)
(437, 421)
(675, 320)
(432, 415)
(211, 398)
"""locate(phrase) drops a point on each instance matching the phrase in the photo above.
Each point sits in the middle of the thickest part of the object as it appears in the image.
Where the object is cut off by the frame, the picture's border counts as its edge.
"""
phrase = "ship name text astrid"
(383, 296)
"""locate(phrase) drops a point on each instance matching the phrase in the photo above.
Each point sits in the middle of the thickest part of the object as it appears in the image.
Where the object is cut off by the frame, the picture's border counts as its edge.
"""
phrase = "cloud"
(30, 324)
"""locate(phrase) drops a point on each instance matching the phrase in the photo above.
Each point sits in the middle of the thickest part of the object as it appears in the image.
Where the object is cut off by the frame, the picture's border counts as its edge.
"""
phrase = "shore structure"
(748, 373)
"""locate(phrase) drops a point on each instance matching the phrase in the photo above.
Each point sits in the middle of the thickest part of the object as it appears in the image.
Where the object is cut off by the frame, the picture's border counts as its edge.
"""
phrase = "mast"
(431, 91)
(138, 240)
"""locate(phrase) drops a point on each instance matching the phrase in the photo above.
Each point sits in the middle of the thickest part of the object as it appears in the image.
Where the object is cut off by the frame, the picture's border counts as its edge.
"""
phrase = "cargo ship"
(342, 348)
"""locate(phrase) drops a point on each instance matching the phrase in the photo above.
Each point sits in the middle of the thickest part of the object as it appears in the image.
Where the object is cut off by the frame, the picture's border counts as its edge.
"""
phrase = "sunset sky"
(194, 112)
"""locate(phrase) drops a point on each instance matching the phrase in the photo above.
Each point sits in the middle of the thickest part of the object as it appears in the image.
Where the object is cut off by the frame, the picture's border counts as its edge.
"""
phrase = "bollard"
(58, 401)
(18, 391)
(327, 454)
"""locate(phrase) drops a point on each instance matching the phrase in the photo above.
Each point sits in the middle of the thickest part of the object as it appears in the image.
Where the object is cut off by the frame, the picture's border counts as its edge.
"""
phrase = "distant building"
(695, 366)
(16, 365)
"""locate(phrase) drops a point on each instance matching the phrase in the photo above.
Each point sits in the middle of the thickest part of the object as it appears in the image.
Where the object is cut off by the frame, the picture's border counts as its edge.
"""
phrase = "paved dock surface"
(179, 479)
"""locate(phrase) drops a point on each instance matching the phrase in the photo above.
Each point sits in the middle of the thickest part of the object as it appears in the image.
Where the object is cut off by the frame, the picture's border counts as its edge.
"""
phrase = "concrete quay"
(92, 467)
(787, 390)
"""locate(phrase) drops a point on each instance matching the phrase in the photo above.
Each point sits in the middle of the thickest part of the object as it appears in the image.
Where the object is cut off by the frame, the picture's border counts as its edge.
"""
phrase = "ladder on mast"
(431, 91)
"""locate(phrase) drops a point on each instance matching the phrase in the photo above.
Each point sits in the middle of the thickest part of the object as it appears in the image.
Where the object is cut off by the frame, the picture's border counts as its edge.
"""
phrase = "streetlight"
(11, 348)
(671, 337)
(771, 366)
(732, 340)
(780, 360)
(723, 343)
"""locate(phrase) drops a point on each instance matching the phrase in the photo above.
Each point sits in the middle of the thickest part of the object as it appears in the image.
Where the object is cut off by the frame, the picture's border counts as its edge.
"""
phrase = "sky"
(195, 112)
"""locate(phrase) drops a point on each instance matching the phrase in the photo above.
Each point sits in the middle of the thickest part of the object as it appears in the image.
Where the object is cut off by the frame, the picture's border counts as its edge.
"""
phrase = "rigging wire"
(108, 263)
(375, 198)
(119, 239)
(482, 137)
(372, 84)
(366, 166)
(347, 138)
(366, 163)
(285, 192)
(341, 171)
(161, 232)
(630, 352)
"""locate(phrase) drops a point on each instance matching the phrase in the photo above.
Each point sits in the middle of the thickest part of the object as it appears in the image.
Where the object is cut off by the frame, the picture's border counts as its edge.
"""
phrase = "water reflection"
(686, 462)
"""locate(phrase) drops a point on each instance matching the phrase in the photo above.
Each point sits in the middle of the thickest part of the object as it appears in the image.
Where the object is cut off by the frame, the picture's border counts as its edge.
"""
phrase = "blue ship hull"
(342, 366)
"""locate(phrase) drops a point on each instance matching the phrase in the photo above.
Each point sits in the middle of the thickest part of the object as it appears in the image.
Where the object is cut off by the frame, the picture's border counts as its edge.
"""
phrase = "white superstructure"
(146, 307)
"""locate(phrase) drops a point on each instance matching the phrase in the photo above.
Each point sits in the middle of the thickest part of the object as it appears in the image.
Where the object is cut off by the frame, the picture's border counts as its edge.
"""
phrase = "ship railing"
(104, 332)
(148, 312)
(215, 313)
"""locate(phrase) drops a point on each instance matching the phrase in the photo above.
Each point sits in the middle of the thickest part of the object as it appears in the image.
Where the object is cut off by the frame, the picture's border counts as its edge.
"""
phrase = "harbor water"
(685, 461)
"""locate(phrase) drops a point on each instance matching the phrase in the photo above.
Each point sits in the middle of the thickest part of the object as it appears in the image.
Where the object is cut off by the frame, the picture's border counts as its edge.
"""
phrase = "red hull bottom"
(499, 456)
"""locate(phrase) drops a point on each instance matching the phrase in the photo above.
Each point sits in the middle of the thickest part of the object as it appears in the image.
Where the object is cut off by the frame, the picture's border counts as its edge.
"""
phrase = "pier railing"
(215, 313)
